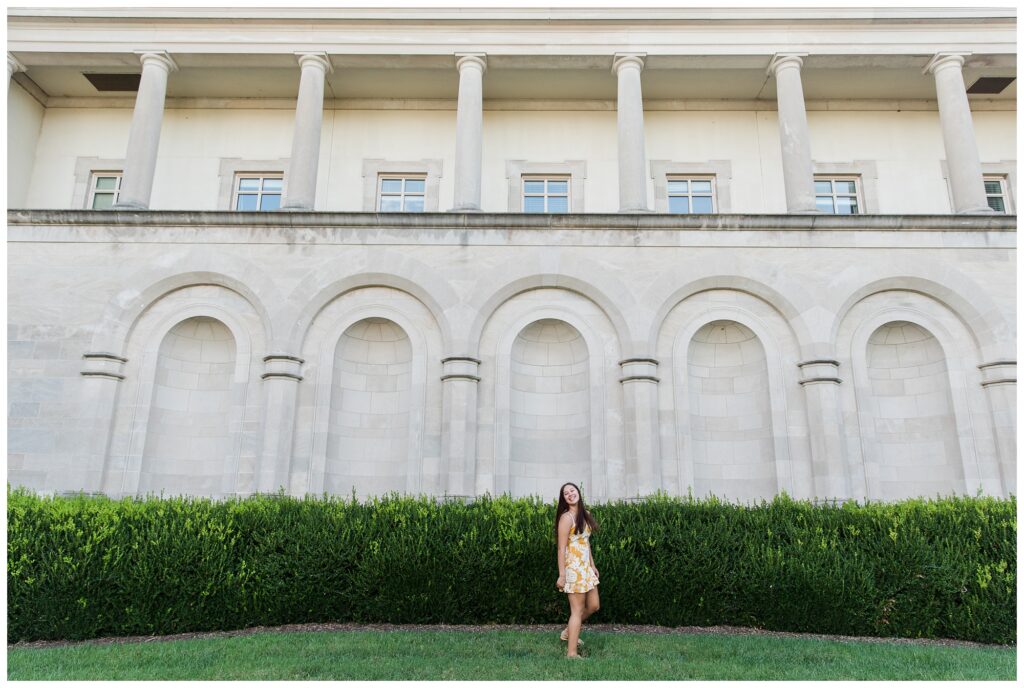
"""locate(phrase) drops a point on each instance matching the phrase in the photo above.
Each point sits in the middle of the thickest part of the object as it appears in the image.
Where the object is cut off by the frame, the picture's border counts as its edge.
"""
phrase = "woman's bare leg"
(577, 603)
(592, 602)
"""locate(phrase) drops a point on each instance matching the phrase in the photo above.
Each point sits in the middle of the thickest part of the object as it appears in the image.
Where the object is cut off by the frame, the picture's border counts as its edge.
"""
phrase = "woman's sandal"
(564, 637)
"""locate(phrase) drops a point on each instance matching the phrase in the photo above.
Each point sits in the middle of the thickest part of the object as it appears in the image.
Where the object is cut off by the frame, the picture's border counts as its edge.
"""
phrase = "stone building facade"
(733, 252)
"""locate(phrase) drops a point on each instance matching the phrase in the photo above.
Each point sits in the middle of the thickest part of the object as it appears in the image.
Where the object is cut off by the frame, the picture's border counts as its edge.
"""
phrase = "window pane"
(106, 183)
(246, 202)
(846, 205)
(846, 187)
(676, 186)
(824, 204)
(558, 204)
(102, 201)
(702, 204)
(533, 186)
(414, 185)
(678, 204)
(390, 204)
(533, 204)
(248, 184)
(391, 185)
(558, 186)
(996, 204)
(992, 186)
(701, 186)
(414, 204)
(823, 187)
(271, 184)
(270, 202)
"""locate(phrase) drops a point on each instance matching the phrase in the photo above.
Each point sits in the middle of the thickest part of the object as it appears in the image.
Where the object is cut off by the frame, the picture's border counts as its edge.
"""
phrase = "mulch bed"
(539, 628)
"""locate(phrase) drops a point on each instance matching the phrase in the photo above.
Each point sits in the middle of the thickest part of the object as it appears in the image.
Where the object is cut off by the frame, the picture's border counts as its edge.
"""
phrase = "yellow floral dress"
(579, 572)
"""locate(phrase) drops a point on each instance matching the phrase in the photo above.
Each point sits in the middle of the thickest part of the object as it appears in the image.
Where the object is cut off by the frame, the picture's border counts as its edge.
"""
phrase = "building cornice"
(462, 15)
(513, 221)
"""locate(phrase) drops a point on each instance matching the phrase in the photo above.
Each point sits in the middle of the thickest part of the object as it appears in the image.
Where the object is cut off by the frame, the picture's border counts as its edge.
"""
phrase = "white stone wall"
(91, 305)
(904, 147)
(24, 120)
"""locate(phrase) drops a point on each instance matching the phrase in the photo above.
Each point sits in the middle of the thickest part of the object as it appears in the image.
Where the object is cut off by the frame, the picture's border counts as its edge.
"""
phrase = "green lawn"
(500, 655)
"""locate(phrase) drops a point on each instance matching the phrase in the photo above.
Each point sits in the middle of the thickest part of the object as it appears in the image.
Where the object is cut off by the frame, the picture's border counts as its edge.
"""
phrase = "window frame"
(262, 176)
(403, 194)
(94, 177)
(719, 170)
(546, 195)
(1003, 192)
(574, 170)
(689, 179)
(430, 170)
(858, 194)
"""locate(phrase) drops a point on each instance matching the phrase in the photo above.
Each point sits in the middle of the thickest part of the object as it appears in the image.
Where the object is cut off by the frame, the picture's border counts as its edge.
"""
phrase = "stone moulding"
(507, 221)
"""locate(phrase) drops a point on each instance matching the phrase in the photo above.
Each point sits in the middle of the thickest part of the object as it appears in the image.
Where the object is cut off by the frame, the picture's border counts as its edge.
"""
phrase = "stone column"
(820, 380)
(965, 176)
(794, 135)
(458, 424)
(13, 65)
(640, 424)
(999, 379)
(281, 379)
(102, 373)
(309, 116)
(144, 137)
(630, 119)
(469, 127)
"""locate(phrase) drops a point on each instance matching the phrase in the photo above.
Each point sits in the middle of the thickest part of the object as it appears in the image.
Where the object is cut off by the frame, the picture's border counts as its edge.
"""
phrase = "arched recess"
(549, 407)
(380, 269)
(486, 300)
(787, 411)
(124, 311)
(368, 431)
(914, 431)
(872, 408)
(322, 394)
(730, 414)
(761, 281)
(188, 435)
(133, 410)
(608, 472)
(967, 300)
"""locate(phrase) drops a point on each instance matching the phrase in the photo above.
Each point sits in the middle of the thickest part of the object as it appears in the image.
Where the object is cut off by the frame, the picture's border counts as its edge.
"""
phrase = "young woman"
(577, 574)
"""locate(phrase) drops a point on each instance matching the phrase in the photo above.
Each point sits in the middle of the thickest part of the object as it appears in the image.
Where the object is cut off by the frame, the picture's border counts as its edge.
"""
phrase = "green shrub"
(85, 567)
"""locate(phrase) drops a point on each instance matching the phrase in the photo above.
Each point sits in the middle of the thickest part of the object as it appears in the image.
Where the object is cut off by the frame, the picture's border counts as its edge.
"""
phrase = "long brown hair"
(583, 517)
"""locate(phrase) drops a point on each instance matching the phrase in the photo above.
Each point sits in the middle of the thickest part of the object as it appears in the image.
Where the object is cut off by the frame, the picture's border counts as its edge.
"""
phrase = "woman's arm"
(564, 525)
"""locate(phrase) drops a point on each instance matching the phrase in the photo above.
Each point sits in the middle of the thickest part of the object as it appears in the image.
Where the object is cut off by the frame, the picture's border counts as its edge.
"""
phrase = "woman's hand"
(594, 569)
(561, 583)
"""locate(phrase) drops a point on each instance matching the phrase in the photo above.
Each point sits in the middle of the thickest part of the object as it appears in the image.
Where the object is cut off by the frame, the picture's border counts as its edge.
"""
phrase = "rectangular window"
(837, 195)
(104, 189)
(401, 194)
(545, 194)
(691, 195)
(995, 192)
(256, 191)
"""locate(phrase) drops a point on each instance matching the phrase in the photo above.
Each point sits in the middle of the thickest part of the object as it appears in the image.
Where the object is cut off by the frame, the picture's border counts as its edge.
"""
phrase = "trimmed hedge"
(84, 567)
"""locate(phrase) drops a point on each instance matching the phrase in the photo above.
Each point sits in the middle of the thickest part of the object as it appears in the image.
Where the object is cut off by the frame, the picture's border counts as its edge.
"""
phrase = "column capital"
(785, 61)
(943, 60)
(467, 60)
(14, 65)
(819, 370)
(623, 60)
(460, 368)
(315, 59)
(160, 58)
(282, 366)
(639, 370)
